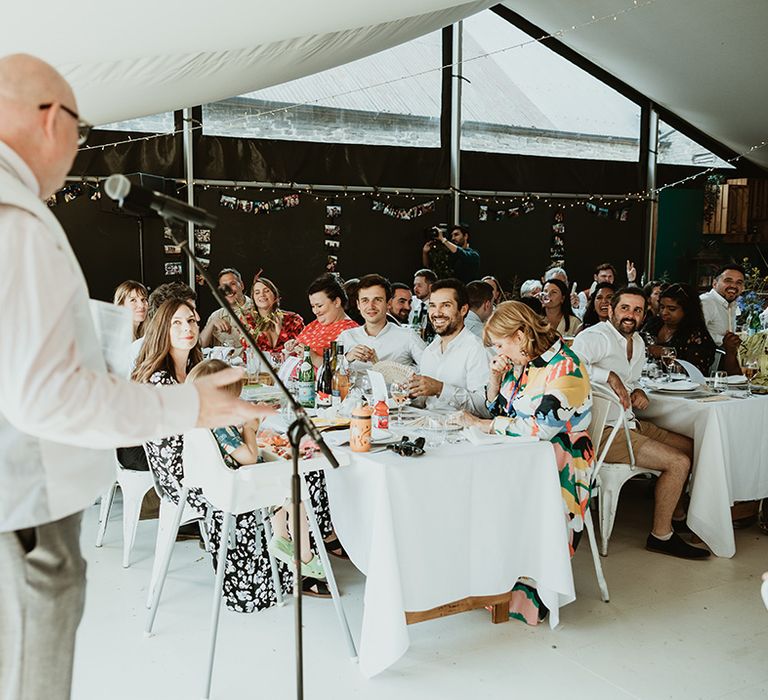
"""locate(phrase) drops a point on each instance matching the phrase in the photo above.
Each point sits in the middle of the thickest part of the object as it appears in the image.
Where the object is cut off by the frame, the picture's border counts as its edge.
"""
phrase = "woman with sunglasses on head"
(274, 327)
(680, 324)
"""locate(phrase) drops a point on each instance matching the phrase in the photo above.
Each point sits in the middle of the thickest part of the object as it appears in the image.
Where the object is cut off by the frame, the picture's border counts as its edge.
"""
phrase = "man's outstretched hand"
(218, 408)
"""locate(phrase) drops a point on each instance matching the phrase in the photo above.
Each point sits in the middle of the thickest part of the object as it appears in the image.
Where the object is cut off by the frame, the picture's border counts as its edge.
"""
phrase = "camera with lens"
(431, 233)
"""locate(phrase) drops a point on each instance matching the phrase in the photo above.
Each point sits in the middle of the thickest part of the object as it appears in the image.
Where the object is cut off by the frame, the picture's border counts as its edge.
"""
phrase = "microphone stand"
(301, 426)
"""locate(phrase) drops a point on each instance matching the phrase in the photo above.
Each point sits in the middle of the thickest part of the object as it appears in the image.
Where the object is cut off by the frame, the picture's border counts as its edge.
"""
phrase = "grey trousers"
(42, 591)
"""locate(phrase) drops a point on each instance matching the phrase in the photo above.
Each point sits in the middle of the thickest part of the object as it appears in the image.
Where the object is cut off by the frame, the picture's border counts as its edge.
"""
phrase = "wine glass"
(365, 386)
(399, 392)
(750, 367)
(669, 357)
(720, 381)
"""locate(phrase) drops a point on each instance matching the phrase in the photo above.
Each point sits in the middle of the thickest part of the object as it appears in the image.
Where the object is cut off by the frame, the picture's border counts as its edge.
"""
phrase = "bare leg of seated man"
(671, 454)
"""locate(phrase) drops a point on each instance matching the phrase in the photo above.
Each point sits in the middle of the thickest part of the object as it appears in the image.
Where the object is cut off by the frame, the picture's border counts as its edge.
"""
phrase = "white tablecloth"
(730, 461)
(459, 521)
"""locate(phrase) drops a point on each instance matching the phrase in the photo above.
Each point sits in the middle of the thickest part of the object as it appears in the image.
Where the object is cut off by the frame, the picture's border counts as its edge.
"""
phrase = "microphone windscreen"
(117, 187)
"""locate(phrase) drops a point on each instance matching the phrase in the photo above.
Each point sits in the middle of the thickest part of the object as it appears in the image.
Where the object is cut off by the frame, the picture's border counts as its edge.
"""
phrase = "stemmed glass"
(669, 357)
(399, 393)
(750, 367)
(365, 386)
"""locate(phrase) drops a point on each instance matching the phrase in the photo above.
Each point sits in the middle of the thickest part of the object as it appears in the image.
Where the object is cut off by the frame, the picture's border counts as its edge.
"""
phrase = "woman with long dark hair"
(680, 324)
(599, 305)
(171, 350)
(556, 300)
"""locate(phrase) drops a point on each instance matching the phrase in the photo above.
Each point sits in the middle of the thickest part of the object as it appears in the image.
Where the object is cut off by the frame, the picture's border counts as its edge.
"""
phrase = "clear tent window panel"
(153, 124)
(677, 149)
(520, 97)
(391, 98)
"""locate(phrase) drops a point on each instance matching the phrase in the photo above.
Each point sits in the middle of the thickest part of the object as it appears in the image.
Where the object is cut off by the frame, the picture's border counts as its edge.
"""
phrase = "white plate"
(441, 428)
(736, 379)
(678, 386)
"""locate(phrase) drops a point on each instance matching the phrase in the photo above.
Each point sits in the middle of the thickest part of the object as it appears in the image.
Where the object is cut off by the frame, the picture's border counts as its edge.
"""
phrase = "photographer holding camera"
(463, 260)
(220, 329)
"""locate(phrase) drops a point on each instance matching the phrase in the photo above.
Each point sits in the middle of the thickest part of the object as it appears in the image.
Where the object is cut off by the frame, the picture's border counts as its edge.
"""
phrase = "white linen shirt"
(474, 324)
(463, 369)
(719, 315)
(59, 409)
(604, 350)
(393, 343)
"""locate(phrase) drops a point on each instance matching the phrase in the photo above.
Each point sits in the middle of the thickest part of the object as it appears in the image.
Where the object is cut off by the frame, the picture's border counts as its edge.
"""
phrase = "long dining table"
(461, 523)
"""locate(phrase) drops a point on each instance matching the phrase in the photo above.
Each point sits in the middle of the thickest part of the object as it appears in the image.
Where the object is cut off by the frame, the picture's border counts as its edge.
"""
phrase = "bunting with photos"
(615, 214)
(202, 251)
(408, 214)
(332, 233)
(485, 213)
(253, 206)
(557, 246)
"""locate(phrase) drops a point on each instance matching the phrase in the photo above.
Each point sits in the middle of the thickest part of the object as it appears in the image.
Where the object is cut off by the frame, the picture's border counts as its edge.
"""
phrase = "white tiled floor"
(673, 629)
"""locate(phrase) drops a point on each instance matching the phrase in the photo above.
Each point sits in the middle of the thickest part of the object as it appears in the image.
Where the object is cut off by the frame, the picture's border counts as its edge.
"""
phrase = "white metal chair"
(235, 491)
(134, 485)
(764, 589)
(611, 477)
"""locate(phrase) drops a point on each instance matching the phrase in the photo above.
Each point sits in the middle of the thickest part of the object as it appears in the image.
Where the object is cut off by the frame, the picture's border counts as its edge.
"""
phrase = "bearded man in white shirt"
(453, 370)
(615, 354)
(59, 409)
(378, 339)
(720, 307)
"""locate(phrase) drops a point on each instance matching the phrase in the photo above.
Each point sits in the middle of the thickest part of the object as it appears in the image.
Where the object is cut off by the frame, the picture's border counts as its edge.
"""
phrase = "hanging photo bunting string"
(487, 214)
(404, 214)
(250, 206)
(621, 214)
(557, 247)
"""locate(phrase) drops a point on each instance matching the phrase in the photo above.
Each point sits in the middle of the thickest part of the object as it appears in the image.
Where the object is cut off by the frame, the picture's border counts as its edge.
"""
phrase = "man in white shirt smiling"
(615, 354)
(453, 370)
(378, 339)
(720, 307)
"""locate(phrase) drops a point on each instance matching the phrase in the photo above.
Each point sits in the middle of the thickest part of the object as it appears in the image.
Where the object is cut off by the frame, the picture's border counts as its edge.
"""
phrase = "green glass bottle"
(307, 381)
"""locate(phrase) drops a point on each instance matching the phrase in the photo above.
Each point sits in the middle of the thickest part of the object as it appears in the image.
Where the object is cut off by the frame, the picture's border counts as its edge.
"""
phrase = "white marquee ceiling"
(704, 60)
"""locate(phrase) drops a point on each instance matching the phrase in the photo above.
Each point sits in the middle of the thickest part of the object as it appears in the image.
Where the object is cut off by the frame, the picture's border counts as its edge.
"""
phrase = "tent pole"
(649, 143)
(189, 176)
(457, 75)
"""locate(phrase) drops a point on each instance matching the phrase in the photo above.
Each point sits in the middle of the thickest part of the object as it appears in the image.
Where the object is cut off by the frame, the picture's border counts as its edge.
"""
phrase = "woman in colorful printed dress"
(171, 349)
(537, 387)
(274, 327)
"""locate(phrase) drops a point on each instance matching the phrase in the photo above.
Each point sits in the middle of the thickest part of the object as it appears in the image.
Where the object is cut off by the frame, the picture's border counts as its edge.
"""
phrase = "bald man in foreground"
(60, 411)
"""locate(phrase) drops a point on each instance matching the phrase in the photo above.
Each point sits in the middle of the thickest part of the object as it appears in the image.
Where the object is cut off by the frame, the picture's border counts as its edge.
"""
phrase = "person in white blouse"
(453, 370)
(557, 307)
(59, 409)
(614, 354)
(378, 339)
(720, 307)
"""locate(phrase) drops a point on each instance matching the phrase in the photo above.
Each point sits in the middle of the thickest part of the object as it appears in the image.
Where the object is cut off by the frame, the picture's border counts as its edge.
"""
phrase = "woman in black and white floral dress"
(169, 351)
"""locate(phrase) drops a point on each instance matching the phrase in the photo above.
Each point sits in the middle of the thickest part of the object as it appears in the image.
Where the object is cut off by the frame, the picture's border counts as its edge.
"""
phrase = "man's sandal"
(334, 548)
(315, 588)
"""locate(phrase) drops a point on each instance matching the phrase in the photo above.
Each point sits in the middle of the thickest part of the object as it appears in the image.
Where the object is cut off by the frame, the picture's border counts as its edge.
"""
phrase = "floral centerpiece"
(753, 301)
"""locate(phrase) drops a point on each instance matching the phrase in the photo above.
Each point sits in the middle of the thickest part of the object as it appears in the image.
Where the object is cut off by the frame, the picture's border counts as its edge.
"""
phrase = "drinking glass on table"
(364, 382)
(669, 357)
(719, 381)
(399, 392)
(750, 367)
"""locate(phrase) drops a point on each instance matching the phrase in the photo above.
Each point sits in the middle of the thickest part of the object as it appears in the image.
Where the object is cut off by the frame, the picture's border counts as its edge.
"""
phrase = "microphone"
(140, 200)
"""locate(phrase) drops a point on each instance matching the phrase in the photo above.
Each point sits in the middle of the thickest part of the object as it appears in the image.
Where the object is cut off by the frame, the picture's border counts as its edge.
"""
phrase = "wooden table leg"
(498, 603)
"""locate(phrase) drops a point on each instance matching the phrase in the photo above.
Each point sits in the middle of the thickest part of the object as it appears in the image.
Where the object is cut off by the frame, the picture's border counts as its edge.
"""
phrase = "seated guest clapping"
(400, 303)
(274, 327)
(133, 295)
(599, 305)
(221, 328)
(556, 301)
(328, 301)
(453, 370)
(680, 324)
(480, 295)
(538, 387)
(379, 339)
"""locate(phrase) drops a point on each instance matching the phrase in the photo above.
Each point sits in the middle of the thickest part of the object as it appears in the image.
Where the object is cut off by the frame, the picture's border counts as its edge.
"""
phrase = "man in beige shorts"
(614, 354)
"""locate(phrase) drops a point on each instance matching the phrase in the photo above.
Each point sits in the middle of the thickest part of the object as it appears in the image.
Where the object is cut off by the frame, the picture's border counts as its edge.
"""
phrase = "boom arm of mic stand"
(309, 427)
